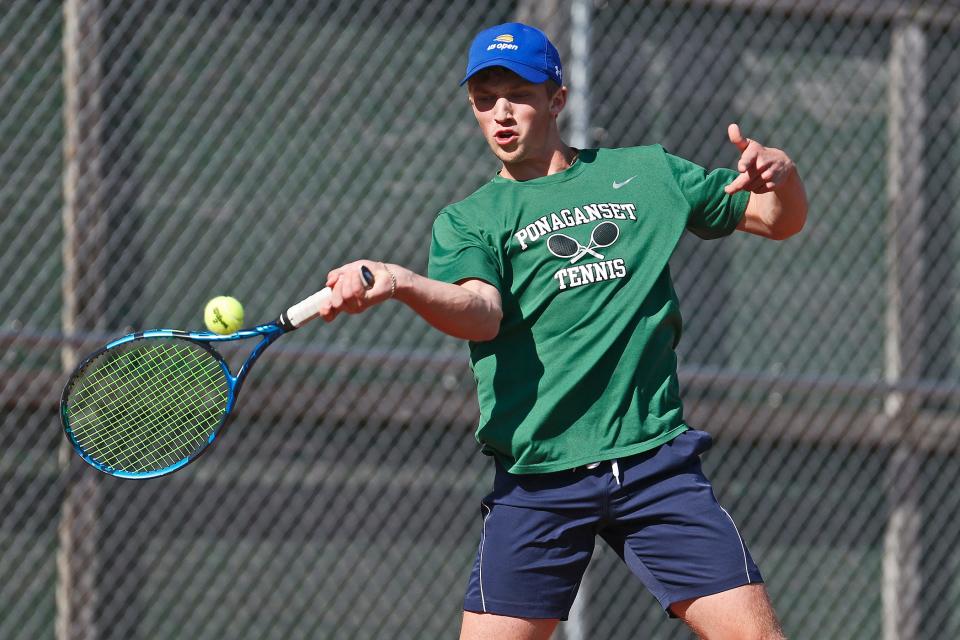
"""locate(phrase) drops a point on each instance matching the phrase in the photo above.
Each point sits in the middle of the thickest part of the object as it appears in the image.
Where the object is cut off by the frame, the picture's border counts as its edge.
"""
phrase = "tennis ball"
(223, 315)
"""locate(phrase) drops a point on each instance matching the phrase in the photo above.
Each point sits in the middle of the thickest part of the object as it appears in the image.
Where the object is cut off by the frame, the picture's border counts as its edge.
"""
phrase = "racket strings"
(562, 246)
(116, 405)
(605, 234)
(111, 391)
(149, 404)
(176, 412)
(136, 413)
(142, 447)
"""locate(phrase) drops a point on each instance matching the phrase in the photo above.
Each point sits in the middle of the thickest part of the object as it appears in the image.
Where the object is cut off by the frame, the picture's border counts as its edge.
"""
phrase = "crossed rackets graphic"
(603, 235)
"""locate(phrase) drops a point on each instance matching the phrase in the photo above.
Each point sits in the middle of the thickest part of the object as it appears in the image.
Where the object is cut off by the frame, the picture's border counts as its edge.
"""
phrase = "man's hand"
(350, 292)
(762, 169)
(777, 208)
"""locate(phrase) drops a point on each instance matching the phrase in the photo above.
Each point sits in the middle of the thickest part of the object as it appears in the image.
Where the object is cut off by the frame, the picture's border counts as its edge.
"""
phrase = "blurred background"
(155, 154)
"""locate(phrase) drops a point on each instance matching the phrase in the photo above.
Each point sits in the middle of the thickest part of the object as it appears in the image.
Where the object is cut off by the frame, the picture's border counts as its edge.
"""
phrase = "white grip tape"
(307, 309)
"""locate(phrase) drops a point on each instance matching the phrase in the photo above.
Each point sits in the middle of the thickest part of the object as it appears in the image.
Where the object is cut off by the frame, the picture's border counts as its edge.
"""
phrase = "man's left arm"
(777, 208)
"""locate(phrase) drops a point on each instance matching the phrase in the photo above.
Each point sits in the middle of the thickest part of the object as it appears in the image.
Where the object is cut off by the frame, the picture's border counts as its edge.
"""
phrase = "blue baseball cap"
(522, 49)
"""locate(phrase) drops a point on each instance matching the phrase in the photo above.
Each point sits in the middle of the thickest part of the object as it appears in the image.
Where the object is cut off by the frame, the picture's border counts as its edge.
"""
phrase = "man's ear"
(558, 101)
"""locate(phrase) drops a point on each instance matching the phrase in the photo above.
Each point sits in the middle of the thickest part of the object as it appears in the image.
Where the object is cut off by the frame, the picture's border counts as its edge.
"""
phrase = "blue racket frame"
(267, 333)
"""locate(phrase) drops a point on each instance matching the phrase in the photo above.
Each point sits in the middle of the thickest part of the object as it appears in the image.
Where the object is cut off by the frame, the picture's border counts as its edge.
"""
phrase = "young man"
(556, 272)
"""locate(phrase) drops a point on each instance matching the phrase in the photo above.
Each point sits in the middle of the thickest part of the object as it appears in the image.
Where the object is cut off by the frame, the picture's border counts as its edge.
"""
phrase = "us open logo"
(503, 41)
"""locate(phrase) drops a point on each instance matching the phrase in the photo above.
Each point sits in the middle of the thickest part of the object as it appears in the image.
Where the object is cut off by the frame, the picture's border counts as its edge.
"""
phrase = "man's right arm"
(470, 309)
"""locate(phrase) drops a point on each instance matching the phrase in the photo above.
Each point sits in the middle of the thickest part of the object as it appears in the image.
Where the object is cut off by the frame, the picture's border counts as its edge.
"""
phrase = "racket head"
(147, 404)
(563, 246)
(605, 234)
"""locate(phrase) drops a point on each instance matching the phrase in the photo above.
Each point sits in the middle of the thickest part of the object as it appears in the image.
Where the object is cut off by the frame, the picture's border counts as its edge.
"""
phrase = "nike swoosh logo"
(617, 185)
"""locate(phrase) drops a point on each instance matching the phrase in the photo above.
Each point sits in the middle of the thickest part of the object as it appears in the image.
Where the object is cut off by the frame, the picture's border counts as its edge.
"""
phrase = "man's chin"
(508, 154)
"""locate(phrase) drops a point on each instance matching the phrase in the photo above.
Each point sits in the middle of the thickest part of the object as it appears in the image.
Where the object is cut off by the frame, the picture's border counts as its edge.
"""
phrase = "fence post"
(578, 76)
(579, 73)
(905, 329)
(84, 301)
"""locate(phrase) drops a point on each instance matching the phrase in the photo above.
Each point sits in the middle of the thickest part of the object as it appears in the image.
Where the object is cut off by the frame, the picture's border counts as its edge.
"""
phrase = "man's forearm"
(470, 310)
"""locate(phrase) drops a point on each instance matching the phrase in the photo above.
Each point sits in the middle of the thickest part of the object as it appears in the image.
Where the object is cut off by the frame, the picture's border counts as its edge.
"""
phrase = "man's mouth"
(505, 137)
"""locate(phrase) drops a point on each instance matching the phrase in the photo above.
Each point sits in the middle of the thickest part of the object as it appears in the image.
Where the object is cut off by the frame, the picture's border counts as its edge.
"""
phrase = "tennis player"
(556, 272)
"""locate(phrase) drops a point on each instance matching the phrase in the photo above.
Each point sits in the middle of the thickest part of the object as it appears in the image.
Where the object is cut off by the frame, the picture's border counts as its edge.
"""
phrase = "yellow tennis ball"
(223, 315)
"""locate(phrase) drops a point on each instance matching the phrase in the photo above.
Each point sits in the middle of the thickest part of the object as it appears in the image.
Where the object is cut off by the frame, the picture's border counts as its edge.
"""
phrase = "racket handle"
(309, 308)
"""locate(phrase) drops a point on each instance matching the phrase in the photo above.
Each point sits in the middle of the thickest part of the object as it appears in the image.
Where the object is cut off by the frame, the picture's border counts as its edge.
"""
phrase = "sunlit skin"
(518, 120)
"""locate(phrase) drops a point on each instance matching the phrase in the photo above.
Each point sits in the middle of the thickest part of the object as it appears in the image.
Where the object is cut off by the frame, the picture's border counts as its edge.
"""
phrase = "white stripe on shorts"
(743, 548)
(483, 537)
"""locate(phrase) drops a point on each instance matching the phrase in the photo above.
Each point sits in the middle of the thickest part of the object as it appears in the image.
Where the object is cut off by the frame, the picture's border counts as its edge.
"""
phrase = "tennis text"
(571, 218)
(572, 277)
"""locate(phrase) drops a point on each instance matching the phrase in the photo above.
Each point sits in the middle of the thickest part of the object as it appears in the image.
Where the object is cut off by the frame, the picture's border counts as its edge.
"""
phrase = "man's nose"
(502, 110)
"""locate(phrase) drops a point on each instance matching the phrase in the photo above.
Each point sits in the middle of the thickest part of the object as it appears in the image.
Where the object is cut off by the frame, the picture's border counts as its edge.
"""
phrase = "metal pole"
(83, 303)
(579, 73)
(905, 329)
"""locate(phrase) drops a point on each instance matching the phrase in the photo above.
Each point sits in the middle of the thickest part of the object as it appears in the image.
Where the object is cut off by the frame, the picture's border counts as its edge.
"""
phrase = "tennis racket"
(603, 235)
(563, 246)
(152, 402)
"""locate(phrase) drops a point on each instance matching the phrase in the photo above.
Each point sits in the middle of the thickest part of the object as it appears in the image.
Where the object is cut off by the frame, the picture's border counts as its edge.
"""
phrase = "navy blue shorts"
(655, 509)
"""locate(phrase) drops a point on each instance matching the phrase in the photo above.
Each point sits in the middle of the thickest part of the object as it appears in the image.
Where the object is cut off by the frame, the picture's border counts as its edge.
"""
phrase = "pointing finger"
(738, 183)
(753, 183)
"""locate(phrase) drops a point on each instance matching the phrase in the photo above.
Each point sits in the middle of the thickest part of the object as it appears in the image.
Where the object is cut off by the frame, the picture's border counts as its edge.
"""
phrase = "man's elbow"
(488, 329)
(788, 226)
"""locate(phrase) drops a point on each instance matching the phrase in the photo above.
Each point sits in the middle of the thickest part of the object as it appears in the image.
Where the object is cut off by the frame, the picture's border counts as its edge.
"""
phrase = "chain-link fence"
(155, 154)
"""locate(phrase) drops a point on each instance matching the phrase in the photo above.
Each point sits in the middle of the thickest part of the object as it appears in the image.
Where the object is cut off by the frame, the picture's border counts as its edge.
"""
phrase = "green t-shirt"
(583, 368)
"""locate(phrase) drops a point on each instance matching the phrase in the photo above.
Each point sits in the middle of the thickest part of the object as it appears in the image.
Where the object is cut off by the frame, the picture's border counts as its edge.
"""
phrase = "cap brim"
(527, 73)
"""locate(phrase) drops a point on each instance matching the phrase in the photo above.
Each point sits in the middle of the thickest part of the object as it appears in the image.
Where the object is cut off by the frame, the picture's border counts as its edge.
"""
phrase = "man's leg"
(488, 626)
(674, 535)
(537, 534)
(743, 613)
